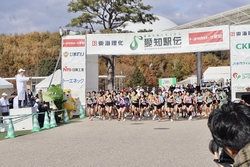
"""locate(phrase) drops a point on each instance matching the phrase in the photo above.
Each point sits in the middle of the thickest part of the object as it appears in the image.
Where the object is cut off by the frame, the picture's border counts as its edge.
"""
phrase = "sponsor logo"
(242, 76)
(73, 43)
(108, 43)
(134, 44)
(65, 54)
(206, 37)
(241, 46)
(240, 33)
(236, 75)
(73, 80)
(239, 88)
(67, 69)
(239, 63)
(73, 54)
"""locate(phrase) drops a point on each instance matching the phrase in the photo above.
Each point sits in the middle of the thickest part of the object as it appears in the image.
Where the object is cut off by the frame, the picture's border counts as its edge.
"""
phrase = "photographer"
(230, 128)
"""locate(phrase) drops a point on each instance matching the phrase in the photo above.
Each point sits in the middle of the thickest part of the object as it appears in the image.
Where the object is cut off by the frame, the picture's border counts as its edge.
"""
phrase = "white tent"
(6, 87)
(190, 80)
(216, 73)
(44, 84)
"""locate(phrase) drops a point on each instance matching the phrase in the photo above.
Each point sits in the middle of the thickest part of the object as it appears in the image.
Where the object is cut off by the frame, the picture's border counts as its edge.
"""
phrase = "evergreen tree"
(46, 66)
(138, 78)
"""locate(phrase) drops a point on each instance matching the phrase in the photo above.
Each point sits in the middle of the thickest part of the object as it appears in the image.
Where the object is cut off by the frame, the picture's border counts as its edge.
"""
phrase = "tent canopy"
(190, 80)
(5, 84)
(44, 84)
(216, 73)
(6, 87)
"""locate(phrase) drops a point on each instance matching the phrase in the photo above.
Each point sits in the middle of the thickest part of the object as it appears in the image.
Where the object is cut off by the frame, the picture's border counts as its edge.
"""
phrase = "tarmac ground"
(98, 143)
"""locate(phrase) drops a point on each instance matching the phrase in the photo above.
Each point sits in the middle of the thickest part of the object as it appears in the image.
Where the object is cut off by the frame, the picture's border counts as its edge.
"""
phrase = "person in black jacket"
(42, 107)
(11, 100)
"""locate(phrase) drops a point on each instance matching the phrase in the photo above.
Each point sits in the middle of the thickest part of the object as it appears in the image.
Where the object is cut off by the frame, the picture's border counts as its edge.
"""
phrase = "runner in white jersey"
(178, 104)
(161, 105)
(89, 102)
(170, 101)
(188, 105)
(209, 102)
(122, 107)
(199, 101)
(94, 102)
(194, 102)
(216, 99)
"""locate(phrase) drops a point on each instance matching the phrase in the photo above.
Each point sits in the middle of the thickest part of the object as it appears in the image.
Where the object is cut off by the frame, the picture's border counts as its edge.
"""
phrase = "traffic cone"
(36, 126)
(66, 117)
(11, 131)
(46, 124)
(82, 115)
(52, 120)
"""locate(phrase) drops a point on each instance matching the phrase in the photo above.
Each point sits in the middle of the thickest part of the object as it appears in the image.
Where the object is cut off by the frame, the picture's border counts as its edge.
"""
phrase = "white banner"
(178, 41)
(74, 65)
(240, 58)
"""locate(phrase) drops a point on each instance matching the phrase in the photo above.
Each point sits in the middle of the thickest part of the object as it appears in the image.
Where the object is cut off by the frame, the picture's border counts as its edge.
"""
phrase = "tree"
(111, 15)
(138, 78)
(46, 66)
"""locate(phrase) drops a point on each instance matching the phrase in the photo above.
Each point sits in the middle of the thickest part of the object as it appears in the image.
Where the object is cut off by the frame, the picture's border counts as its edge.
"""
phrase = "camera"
(223, 158)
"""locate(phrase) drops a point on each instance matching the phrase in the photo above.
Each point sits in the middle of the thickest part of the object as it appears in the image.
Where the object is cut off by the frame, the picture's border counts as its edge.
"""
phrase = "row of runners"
(171, 104)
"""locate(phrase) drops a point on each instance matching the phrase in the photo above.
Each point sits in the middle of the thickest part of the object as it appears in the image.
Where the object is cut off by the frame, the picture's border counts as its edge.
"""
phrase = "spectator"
(42, 108)
(32, 101)
(214, 87)
(30, 94)
(4, 104)
(21, 80)
(36, 105)
(11, 100)
(230, 130)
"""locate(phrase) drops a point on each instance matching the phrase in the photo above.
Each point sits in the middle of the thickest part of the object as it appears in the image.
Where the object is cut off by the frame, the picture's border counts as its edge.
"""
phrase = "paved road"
(112, 144)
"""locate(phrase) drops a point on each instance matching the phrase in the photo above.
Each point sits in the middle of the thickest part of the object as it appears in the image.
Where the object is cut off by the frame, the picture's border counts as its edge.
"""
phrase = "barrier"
(36, 126)
(52, 120)
(11, 131)
(82, 113)
(48, 123)
(66, 117)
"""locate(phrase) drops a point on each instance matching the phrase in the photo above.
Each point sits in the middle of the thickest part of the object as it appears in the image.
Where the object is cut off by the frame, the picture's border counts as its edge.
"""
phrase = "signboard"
(177, 41)
(74, 66)
(240, 58)
(163, 82)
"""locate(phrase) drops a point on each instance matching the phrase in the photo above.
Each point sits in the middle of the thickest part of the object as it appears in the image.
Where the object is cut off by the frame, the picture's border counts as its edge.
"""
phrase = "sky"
(27, 16)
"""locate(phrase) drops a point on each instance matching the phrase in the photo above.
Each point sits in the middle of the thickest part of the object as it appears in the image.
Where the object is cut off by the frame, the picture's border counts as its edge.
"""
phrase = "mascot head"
(67, 93)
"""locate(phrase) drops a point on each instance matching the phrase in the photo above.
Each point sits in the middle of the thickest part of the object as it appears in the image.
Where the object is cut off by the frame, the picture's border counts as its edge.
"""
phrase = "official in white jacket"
(21, 85)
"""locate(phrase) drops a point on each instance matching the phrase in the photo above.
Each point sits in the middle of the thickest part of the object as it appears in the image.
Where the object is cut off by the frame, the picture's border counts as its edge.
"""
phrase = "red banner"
(73, 43)
(206, 37)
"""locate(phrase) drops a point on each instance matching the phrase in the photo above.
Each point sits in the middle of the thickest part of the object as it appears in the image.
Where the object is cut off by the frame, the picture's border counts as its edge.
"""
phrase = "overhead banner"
(177, 41)
(240, 59)
(74, 66)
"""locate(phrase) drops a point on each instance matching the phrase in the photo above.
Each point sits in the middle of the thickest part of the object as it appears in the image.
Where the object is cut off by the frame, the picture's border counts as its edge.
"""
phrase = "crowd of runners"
(171, 104)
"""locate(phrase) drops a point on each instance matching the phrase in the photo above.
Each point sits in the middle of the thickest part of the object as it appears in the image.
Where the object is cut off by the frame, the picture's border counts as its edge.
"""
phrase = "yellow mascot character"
(70, 104)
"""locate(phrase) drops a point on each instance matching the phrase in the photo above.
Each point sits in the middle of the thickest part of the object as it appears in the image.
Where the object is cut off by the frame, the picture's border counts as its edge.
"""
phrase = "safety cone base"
(66, 122)
(36, 126)
(10, 137)
(46, 127)
(35, 130)
(82, 116)
(52, 126)
(46, 124)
